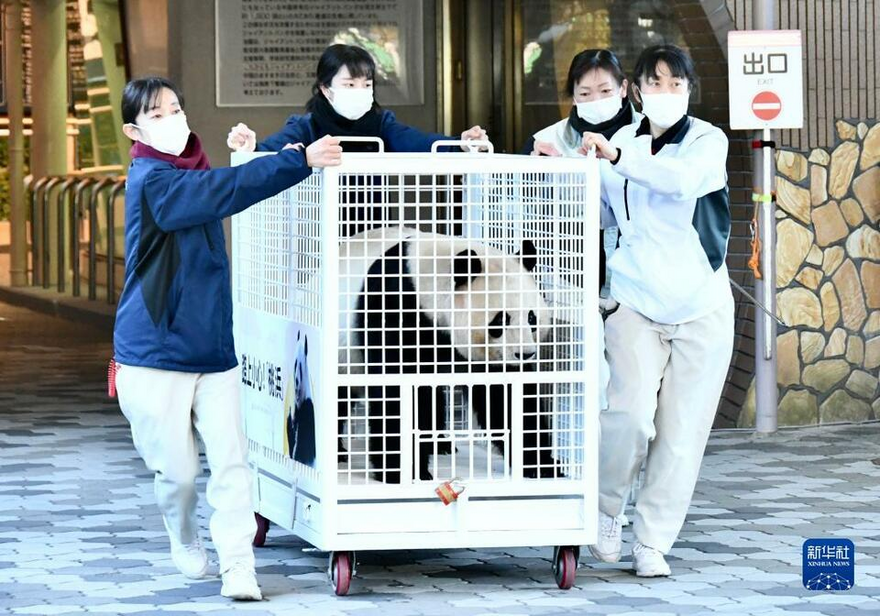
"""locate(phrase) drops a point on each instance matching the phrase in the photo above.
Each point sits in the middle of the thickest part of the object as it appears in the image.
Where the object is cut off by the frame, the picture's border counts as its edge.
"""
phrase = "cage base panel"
(478, 521)
(377, 542)
(467, 515)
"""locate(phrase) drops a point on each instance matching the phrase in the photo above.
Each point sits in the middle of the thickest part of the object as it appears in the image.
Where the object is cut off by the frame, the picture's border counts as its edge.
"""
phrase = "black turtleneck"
(606, 128)
(581, 126)
(326, 121)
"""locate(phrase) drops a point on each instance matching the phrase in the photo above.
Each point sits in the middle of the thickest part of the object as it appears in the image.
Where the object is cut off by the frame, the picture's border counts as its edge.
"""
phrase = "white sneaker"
(191, 560)
(649, 562)
(607, 548)
(240, 583)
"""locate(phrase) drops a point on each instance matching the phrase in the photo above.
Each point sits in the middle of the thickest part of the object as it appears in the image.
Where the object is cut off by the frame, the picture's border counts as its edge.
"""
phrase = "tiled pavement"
(79, 531)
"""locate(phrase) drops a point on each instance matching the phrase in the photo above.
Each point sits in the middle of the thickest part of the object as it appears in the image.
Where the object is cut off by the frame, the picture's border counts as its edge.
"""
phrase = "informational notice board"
(268, 50)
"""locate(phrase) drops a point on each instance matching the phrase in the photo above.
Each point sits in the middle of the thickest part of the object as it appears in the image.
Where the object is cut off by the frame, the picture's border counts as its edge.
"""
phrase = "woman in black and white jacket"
(669, 343)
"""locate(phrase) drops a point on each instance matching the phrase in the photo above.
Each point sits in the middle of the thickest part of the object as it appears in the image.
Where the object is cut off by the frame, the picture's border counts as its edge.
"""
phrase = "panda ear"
(466, 266)
(528, 255)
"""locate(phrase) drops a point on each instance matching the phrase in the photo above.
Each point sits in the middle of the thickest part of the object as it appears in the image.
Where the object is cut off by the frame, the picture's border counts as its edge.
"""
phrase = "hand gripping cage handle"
(375, 140)
(474, 144)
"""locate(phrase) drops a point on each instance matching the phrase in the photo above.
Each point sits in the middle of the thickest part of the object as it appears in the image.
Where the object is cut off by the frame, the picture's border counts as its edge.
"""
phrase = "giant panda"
(417, 302)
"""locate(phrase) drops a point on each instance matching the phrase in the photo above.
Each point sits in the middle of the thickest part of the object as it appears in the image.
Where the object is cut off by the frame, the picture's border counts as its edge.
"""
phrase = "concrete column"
(49, 104)
(110, 36)
(15, 109)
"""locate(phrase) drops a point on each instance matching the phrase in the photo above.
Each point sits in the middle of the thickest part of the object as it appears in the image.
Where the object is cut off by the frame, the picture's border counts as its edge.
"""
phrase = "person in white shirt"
(597, 85)
(670, 341)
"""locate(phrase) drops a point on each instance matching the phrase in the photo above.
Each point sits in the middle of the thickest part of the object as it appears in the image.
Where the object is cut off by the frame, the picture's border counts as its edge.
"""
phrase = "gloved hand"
(241, 138)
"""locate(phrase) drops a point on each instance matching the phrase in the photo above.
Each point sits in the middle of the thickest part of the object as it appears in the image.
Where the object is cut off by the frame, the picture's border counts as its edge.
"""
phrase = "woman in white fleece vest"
(669, 343)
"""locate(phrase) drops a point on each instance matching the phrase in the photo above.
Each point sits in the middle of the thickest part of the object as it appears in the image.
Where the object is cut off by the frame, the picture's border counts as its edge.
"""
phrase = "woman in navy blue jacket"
(343, 105)
(175, 362)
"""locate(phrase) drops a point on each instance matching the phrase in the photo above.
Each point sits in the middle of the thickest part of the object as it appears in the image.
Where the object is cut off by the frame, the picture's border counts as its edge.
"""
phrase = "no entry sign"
(766, 81)
(766, 105)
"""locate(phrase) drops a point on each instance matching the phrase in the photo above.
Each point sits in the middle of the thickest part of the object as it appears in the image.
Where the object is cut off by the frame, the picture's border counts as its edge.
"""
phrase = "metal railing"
(76, 195)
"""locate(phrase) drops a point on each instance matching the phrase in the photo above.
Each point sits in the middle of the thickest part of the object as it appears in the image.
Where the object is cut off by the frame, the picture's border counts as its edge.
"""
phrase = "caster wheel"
(565, 567)
(341, 564)
(262, 530)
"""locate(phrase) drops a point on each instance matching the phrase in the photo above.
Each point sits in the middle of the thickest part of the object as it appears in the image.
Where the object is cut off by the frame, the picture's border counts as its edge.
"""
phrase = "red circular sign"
(766, 105)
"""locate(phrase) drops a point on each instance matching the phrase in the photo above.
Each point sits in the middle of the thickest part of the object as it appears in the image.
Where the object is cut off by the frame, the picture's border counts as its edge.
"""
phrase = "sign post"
(766, 92)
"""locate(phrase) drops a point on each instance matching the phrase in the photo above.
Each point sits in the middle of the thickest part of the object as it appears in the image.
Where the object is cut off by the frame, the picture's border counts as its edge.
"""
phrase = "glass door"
(535, 40)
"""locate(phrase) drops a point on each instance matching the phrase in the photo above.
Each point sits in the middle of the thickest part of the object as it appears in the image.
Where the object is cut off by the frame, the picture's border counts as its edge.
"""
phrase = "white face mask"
(169, 134)
(352, 103)
(602, 110)
(664, 110)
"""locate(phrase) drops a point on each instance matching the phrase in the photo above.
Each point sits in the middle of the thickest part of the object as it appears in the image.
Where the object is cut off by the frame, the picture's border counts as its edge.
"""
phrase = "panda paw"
(548, 470)
(387, 476)
(444, 448)
(552, 473)
(343, 452)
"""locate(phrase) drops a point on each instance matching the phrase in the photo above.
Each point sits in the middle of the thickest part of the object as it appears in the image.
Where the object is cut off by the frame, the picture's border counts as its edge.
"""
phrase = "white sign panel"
(765, 72)
(280, 377)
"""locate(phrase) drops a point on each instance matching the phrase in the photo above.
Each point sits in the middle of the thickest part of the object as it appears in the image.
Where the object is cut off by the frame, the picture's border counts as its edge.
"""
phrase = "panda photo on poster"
(299, 407)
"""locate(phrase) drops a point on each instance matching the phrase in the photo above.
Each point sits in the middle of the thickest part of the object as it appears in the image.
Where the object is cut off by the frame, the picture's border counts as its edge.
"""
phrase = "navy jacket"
(175, 312)
(397, 137)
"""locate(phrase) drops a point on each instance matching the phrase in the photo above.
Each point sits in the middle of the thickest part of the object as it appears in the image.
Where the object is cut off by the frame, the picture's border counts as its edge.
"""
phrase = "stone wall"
(828, 281)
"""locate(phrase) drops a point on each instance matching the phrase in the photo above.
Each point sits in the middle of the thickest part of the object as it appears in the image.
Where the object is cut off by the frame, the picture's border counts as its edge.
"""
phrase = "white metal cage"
(408, 319)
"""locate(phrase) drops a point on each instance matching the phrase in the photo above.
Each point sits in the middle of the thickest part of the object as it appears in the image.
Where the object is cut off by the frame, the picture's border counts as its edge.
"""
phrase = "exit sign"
(765, 74)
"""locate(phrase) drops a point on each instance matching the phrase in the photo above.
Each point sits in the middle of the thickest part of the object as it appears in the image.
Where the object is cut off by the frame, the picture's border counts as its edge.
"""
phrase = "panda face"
(501, 317)
(300, 369)
(488, 301)
(499, 314)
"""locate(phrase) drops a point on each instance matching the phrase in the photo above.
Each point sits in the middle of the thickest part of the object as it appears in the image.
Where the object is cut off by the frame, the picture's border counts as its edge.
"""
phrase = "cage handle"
(375, 140)
(472, 144)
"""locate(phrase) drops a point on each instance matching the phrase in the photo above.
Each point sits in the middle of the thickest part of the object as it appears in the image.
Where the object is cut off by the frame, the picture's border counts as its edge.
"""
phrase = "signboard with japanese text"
(765, 72)
(267, 50)
(279, 373)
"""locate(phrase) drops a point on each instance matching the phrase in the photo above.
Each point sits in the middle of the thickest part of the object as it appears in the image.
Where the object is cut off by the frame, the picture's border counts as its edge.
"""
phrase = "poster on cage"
(267, 50)
(280, 370)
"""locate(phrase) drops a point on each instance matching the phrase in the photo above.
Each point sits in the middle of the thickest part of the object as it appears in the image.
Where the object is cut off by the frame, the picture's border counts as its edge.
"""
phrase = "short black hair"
(676, 58)
(357, 59)
(140, 95)
(591, 59)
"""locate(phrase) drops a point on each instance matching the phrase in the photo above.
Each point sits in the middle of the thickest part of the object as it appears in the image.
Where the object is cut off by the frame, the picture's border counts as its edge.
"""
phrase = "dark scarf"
(606, 128)
(192, 157)
(326, 121)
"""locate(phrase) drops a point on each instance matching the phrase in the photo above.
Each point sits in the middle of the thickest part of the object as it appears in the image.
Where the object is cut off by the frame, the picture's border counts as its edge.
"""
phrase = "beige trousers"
(666, 381)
